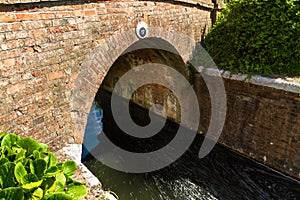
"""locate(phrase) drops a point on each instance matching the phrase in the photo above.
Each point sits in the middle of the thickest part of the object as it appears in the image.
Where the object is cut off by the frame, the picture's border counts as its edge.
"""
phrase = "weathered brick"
(22, 120)
(39, 32)
(11, 89)
(7, 117)
(9, 62)
(43, 111)
(62, 15)
(6, 127)
(7, 17)
(89, 12)
(56, 75)
(26, 16)
(16, 27)
(46, 15)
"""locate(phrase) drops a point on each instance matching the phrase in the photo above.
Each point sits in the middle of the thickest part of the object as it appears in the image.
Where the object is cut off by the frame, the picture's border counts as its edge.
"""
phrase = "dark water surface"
(223, 174)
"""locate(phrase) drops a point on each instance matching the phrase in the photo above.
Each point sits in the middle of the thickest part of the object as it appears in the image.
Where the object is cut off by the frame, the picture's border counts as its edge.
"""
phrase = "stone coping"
(288, 84)
(195, 2)
(282, 83)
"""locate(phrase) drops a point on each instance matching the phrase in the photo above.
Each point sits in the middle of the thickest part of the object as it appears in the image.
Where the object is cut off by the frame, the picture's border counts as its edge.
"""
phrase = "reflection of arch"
(98, 62)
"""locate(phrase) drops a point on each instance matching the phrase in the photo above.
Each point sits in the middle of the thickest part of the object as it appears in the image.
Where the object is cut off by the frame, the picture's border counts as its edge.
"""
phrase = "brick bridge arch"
(98, 62)
(44, 47)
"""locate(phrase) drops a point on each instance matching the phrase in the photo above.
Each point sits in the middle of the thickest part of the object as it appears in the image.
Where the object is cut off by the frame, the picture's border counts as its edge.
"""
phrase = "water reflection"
(223, 174)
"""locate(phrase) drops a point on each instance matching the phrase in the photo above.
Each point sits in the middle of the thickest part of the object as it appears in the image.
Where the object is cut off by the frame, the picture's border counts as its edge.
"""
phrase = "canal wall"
(262, 120)
(263, 113)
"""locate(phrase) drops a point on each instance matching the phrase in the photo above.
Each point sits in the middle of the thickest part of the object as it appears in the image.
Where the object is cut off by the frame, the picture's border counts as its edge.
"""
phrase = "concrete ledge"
(286, 83)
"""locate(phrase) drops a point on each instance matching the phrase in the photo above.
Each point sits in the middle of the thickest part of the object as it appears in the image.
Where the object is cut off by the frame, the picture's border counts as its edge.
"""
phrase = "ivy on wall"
(257, 37)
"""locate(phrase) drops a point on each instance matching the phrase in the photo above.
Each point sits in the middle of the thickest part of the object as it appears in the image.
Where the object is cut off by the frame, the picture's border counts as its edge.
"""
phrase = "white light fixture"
(142, 30)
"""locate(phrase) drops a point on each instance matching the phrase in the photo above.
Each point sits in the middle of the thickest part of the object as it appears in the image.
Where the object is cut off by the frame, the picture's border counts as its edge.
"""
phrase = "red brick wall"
(262, 123)
(43, 45)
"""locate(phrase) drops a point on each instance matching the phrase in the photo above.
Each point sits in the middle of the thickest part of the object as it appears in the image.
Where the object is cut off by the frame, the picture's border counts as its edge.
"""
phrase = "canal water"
(223, 174)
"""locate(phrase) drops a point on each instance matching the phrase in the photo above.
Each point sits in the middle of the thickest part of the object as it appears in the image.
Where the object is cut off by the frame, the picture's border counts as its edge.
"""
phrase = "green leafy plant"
(257, 37)
(28, 170)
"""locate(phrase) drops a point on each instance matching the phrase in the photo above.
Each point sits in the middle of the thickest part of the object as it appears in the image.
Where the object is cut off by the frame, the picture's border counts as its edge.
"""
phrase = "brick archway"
(98, 62)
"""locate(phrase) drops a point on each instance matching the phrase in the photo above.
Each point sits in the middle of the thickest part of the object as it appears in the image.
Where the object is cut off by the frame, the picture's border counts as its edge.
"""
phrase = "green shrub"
(28, 170)
(257, 37)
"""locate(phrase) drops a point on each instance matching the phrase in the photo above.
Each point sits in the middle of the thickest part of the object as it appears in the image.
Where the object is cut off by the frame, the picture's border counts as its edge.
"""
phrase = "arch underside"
(96, 66)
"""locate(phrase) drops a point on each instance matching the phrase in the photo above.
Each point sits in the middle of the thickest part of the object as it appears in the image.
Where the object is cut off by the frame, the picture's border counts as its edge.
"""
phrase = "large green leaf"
(52, 171)
(2, 135)
(55, 187)
(28, 178)
(43, 148)
(10, 140)
(7, 175)
(31, 178)
(38, 167)
(3, 160)
(76, 190)
(20, 154)
(12, 193)
(52, 160)
(36, 154)
(20, 173)
(47, 183)
(37, 194)
(29, 145)
(58, 196)
(69, 167)
(61, 178)
(59, 187)
(59, 165)
(32, 185)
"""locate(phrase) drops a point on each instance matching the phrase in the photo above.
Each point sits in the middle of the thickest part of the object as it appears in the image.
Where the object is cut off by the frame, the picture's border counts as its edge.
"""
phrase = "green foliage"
(28, 170)
(257, 37)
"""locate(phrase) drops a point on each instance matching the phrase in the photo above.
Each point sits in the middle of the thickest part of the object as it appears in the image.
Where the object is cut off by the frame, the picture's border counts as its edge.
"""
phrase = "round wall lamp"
(142, 30)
